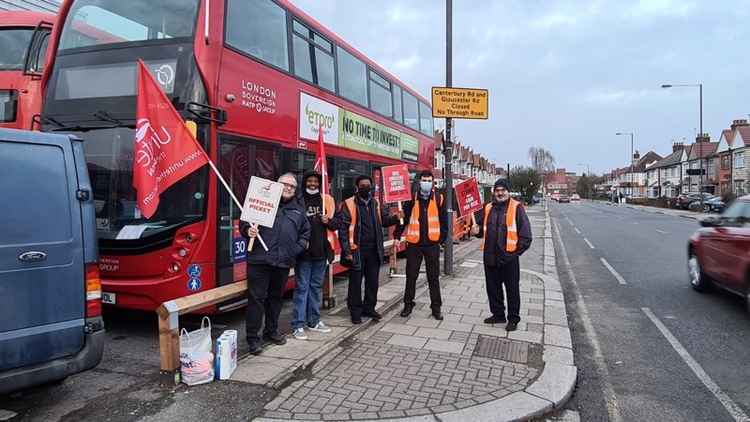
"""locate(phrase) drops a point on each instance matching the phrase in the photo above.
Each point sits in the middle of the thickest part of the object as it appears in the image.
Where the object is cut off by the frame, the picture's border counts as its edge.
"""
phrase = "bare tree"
(542, 160)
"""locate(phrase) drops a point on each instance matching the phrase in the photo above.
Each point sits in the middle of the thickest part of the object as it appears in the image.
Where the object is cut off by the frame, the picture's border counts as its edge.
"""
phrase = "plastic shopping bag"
(196, 359)
(226, 354)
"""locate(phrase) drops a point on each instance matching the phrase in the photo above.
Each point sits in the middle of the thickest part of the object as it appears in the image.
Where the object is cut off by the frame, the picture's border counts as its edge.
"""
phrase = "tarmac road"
(662, 351)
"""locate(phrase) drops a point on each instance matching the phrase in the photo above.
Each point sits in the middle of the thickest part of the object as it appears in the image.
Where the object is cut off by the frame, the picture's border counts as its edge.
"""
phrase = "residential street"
(664, 351)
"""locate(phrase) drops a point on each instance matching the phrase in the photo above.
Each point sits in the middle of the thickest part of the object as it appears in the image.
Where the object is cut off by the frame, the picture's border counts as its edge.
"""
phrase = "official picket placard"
(460, 103)
(396, 183)
(467, 195)
(261, 201)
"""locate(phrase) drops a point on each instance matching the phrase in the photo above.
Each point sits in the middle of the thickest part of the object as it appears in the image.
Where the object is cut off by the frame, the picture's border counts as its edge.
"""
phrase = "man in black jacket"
(311, 265)
(361, 237)
(506, 234)
(268, 271)
(426, 229)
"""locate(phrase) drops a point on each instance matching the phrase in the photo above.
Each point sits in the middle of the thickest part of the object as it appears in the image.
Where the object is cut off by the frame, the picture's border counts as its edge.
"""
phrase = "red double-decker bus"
(23, 44)
(258, 77)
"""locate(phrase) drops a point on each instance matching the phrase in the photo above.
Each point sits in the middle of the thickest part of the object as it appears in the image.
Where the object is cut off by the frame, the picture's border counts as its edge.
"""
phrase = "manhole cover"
(508, 350)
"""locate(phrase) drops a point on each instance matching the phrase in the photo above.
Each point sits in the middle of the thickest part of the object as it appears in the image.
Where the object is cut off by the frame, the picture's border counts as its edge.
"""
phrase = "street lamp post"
(632, 154)
(700, 114)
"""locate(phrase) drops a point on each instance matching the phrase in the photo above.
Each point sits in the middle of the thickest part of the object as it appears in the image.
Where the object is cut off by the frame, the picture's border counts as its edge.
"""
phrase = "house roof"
(703, 149)
(744, 132)
(670, 160)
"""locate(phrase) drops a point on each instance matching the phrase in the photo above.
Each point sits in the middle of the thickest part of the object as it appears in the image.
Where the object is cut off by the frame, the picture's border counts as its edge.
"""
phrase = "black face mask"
(364, 192)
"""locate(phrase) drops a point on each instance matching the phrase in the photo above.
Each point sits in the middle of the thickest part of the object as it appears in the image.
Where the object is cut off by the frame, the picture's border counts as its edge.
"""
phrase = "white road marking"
(661, 231)
(601, 366)
(735, 411)
(614, 273)
(576, 229)
(588, 243)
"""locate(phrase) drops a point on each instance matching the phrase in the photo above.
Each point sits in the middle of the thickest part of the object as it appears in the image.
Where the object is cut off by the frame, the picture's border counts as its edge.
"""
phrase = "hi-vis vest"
(352, 207)
(511, 241)
(330, 206)
(433, 221)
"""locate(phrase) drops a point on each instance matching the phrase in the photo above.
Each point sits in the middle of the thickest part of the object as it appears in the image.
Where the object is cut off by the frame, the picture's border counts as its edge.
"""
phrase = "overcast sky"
(565, 75)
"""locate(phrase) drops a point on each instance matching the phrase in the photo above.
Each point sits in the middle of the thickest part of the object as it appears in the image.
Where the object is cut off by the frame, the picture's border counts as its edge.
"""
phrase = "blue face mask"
(425, 187)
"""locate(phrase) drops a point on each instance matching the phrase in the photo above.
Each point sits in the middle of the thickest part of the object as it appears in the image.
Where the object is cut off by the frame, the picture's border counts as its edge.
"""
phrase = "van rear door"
(41, 259)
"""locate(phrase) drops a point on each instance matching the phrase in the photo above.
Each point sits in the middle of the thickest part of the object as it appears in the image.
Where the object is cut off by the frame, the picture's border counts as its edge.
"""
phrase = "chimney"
(677, 146)
(739, 122)
(705, 138)
(636, 157)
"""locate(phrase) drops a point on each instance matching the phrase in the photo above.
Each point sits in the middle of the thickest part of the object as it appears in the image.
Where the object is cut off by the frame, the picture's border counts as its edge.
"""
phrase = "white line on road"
(588, 243)
(614, 273)
(576, 229)
(735, 411)
(661, 231)
(601, 367)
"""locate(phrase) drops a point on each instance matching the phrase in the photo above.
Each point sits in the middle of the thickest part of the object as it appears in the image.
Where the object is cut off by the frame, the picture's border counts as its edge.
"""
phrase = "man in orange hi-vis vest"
(426, 229)
(506, 234)
(361, 237)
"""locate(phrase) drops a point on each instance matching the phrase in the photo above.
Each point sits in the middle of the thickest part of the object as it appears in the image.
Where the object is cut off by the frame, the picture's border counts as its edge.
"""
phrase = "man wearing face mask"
(506, 234)
(361, 237)
(311, 267)
(426, 229)
(268, 271)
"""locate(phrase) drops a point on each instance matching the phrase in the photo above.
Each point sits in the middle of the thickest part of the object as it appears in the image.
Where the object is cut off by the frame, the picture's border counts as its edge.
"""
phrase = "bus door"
(239, 159)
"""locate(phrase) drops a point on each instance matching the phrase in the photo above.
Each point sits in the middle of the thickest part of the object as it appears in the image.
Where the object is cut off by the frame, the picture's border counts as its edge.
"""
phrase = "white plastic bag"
(226, 354)
(196, 359)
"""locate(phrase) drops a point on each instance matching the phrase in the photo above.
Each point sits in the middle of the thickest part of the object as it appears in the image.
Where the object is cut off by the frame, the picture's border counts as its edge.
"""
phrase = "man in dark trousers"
(506, 234)
(426, 230)
(268, 271)
(361, 237)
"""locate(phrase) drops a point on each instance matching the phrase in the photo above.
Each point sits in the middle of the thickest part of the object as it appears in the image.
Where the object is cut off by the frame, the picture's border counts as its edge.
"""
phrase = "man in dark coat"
(506, 234)
(426, 229)
(361, 237)
(268, 271)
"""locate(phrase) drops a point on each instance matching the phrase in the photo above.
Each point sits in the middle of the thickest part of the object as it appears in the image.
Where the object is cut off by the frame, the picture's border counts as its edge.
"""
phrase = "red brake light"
(93, 291)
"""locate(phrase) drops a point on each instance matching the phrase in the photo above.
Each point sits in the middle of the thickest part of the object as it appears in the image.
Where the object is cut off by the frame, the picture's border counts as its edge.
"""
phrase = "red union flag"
(321, 163)
(165, 151)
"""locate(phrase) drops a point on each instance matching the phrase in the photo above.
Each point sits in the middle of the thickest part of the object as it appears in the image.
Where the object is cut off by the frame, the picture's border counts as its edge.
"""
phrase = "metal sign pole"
(448, 258)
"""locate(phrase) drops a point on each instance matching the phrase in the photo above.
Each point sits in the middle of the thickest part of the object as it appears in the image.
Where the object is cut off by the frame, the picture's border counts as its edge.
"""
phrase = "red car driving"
(719, 252)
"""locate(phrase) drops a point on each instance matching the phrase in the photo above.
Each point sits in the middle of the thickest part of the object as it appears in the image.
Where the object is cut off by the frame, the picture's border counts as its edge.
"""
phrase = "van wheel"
(698, 279)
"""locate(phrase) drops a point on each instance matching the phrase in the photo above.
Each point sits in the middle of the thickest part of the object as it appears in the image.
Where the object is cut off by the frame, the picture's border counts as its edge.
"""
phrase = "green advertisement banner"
(362, 134)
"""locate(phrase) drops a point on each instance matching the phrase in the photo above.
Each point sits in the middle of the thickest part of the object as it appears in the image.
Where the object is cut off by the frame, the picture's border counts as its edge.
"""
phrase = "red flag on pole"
(321, 163)
(165, 151)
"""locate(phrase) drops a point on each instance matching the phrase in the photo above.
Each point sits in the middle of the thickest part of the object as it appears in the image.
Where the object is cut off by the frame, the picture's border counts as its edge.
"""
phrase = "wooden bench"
(169, 324)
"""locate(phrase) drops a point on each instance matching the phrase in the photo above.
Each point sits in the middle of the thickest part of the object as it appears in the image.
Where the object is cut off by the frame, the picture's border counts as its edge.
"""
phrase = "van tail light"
(93, 291)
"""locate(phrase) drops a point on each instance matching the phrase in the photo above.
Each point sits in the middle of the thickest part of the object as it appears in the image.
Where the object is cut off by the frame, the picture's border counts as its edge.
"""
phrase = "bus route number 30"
(239, 248)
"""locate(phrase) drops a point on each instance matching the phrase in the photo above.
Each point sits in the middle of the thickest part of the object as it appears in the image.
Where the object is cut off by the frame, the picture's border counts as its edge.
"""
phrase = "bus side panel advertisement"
(396, 183)
(315, 113)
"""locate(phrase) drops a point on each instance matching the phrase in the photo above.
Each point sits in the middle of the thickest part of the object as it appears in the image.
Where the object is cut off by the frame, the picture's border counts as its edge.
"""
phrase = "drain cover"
(508, 350)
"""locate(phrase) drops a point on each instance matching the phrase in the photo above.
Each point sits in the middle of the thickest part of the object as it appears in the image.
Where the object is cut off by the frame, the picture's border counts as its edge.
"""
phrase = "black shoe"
(437, 315)
(407, 310)
(356, 321)
(512, 326)
(276, 339)
(495, 320)
(256, 349)
(374, 315)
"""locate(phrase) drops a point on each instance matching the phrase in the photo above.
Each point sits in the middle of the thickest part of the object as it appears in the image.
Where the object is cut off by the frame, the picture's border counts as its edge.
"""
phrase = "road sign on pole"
(460, 103)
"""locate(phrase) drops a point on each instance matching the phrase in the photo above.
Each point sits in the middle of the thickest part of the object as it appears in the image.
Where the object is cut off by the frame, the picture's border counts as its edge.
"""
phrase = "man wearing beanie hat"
(506, 234)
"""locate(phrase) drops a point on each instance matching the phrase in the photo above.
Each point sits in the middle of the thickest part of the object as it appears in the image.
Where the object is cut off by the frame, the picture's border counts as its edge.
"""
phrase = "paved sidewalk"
(668, 211)
(457, 369)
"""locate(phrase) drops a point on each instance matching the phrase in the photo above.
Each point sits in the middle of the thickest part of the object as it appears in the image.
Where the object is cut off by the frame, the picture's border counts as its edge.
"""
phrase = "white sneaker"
(320, 328)
(299, 334)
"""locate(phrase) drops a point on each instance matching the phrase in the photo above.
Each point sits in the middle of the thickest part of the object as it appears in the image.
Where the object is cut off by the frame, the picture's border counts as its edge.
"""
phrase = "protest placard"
(467, 196)
(261, 203)
(396, 184)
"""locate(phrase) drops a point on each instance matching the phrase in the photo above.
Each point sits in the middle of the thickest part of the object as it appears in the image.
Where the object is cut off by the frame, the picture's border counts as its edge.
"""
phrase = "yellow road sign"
(460, 103)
